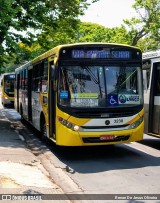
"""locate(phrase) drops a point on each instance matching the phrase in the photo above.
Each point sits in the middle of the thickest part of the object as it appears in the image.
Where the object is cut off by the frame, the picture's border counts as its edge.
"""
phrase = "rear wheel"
(21, 113)
(43, 132)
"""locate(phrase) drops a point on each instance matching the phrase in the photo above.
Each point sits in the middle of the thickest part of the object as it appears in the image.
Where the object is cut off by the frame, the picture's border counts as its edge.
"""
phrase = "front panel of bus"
(99, 95)
(8, 89)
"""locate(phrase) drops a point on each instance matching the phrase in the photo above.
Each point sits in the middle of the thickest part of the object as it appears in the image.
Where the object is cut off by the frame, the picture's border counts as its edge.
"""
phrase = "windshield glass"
(100, 86)
(9, 84)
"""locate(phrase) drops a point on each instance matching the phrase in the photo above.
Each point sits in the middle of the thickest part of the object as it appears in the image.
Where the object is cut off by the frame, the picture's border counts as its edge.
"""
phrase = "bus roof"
(3, 74)
(57, 48)
(151, 54)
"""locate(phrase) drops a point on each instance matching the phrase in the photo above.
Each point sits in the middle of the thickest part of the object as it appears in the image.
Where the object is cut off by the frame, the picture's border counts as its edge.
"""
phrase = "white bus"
(151, 76)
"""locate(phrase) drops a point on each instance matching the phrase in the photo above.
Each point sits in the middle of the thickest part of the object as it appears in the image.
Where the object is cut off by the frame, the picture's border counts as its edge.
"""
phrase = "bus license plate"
(107, 137)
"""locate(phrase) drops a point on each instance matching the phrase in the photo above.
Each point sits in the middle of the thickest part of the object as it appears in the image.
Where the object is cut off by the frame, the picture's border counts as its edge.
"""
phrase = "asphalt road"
(128, 169)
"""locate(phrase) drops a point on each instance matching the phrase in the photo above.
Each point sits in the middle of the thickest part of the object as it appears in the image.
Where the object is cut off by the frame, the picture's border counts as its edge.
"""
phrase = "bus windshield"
(100, 86)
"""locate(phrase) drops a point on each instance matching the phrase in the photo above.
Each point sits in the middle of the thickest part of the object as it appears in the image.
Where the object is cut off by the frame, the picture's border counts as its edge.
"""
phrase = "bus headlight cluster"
(68, 124)
(136, 123)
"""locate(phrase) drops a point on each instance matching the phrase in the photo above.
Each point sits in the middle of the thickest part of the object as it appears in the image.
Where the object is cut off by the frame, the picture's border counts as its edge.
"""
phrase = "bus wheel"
(21, 113)
(43, 131)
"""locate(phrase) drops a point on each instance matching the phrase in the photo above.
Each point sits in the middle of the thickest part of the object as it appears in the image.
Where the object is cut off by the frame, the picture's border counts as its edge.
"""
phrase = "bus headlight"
(136, 123)
(68, 124)
(76, 127)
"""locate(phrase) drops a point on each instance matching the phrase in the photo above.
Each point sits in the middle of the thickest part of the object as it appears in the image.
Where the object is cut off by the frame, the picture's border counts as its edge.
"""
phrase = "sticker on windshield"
(64, 94)
(128, 99)
(84, 95)
(113, 100)
(85, 102)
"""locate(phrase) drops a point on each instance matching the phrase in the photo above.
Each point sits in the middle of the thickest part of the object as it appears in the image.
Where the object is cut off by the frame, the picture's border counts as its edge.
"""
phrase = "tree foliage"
(91, 32)
(23, 20)
(143, 30)
(31, 27)
(147, 23)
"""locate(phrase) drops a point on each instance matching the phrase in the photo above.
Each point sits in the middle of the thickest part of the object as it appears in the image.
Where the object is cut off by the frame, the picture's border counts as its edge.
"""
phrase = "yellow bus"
(7, 88)
(83, 94)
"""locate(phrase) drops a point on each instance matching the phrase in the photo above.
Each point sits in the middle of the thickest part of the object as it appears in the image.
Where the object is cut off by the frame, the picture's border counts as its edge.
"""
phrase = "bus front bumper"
(68, 137)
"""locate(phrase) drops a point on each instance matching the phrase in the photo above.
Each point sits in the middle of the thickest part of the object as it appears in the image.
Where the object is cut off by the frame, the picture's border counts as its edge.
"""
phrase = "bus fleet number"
(119, 120)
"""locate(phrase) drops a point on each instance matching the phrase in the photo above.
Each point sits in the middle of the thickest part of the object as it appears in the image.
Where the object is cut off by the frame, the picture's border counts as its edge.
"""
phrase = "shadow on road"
(151, 142)
(104, 158)
(90, 159)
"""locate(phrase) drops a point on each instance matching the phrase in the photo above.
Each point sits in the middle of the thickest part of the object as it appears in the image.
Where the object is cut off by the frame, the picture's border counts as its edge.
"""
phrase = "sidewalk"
(21, 172)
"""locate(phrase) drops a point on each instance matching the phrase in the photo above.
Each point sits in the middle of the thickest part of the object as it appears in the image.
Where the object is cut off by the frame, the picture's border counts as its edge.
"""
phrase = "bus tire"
(21, 113)
(43, 131)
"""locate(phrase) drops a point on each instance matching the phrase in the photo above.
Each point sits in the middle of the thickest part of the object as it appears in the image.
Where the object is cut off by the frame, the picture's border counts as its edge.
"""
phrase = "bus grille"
(97, 139)
(102, 115)
(104, 127)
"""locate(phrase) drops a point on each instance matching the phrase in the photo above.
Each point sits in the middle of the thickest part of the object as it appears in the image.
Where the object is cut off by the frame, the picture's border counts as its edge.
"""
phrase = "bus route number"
(119, 120)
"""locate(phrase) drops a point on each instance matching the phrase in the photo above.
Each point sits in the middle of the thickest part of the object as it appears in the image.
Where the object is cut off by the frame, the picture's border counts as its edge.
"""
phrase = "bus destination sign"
(101, 54)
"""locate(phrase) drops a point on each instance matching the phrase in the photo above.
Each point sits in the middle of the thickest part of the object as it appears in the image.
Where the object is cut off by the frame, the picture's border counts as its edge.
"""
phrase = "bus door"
(52, 100)
(155, 100)
(30, 78)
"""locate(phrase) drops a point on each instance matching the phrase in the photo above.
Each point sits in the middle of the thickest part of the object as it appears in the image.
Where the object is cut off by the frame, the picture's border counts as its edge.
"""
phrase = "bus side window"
(157, 93)
(145, 80)
(37, 77)
(45, 77)
(148, 77)
(21, 80)
(146, 73)
(25, 79)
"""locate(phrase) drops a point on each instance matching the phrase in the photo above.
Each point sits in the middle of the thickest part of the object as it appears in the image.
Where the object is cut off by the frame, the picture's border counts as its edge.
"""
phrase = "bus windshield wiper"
(92, 75)
(95, 79)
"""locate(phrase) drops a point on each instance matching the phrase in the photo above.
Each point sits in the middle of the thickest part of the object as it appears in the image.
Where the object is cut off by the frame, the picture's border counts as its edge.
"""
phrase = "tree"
(92, 32)
(147, 23)
(119, 35)
(142, 31)
(64, 33)
(148, 44)
(33, 17)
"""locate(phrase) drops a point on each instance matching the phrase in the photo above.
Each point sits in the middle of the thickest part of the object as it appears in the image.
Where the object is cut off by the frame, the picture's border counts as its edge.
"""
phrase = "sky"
(109, 13)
